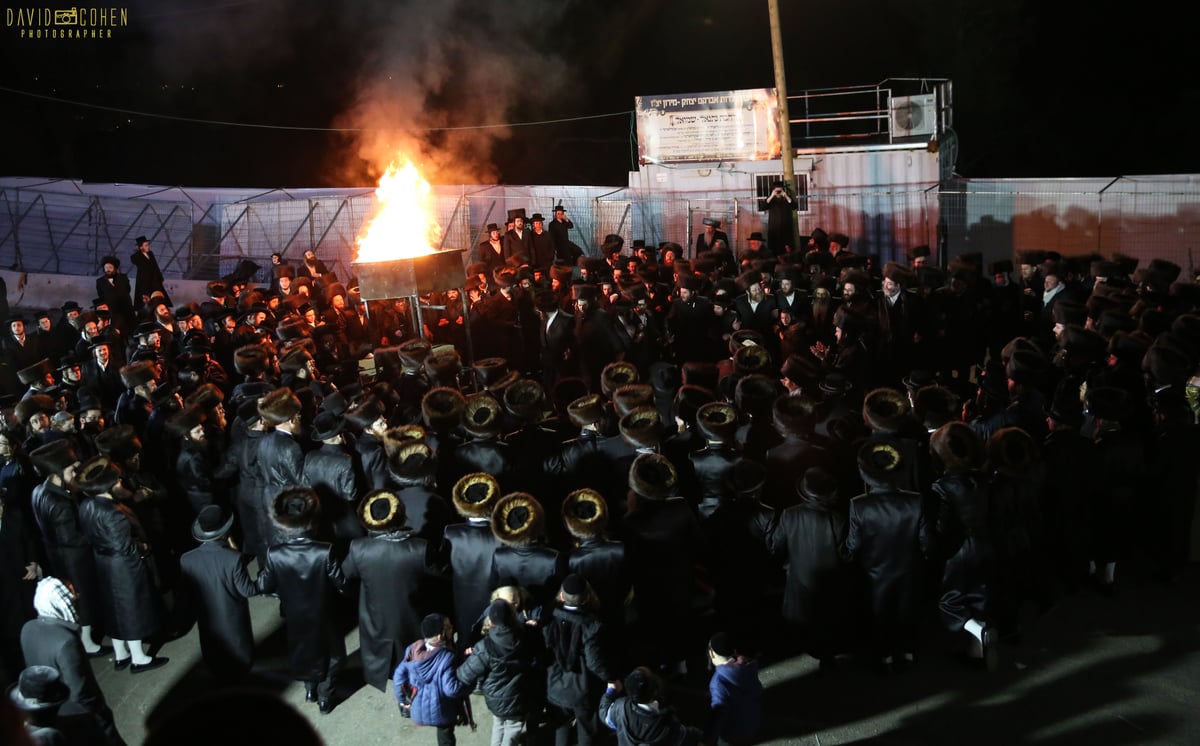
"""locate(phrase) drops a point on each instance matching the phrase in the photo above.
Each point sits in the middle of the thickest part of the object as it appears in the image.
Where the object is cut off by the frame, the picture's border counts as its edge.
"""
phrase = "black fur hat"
(412, 460)
(120, 443)
(474, 494)
(885, 410)
(482, 415)
(717, 421)
(31, 405)
(296, 509)
(616, 375)
(585, 513)
(97, 476)
(632, 396)
(642, 427)
(279, 406)
(652, 476)
(880, 461)
(688, 400)
(518, 519)
(443, 367)
(794, 416)
(54, 457)
(382, 511)
(586, 410)
(139, 373)
(1011, 449)
(755, 394)
(36, 372)
(442, 408)
(525, 399)
(182, 422)
(935, 406)
(751, 359)
(205, 397)
(957, 446)
(250, 360)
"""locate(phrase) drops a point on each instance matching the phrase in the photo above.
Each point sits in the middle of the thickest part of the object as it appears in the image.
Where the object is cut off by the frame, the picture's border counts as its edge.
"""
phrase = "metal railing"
(61, 231)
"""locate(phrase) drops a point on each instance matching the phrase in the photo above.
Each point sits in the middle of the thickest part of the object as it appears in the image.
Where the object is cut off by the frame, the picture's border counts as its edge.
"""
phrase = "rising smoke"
(416, 66)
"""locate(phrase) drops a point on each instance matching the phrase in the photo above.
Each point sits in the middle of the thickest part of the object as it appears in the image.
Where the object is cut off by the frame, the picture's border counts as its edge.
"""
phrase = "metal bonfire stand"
(412, 277)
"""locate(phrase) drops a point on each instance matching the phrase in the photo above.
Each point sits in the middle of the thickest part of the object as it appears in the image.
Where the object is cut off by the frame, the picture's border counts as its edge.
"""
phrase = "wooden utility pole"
(785, 124)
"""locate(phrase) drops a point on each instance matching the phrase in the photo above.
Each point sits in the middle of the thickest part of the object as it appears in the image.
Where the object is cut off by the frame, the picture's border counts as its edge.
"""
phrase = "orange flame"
(405, 223)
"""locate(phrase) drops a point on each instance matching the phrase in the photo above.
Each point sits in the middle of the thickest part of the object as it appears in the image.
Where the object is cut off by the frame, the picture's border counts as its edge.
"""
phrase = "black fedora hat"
(212, 523)
(39, 688)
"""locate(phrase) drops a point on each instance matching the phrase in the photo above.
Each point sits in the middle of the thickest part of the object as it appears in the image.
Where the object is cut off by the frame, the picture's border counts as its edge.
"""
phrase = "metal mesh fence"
(67, 229)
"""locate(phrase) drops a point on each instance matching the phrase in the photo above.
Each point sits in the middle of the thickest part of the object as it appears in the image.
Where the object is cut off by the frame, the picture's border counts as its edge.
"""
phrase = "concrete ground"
(1094, 670)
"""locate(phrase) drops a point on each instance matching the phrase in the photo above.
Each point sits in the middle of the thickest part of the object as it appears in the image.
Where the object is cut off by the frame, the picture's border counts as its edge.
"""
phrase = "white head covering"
(54, 599)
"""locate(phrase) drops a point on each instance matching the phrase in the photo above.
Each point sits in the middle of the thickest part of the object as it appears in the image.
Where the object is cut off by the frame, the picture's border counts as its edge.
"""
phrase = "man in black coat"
(556, 336)
(330, 470)
(68, 553)
(887, 538)
(307, 576)
(280, 456)
(213, 591)
(524, 559)
(818, 593)
(560, 227)
(541, 245)
(517, 245)
(149, 276)
(392, 564)
(411, 474)
(467, 550)
(112, 289)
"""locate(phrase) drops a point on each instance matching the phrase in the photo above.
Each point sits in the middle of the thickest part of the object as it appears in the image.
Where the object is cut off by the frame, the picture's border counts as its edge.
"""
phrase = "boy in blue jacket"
(735, 693)
(425, 680)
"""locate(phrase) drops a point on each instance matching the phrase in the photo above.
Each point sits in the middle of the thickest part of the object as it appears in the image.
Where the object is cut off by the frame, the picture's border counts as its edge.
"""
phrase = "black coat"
(130, 607)
(490, 455)
(504, 661)
(712, 467)
(68, 552)
(541, 250)
(214, 586)
(964, 539)
(576, 665)
(193, 472)
(250, 500)
(819, 589)
(372, 462)
(491, 258)
(664, 542)
(517, 248)
(280, 465)
(394, 572)
(537, 568)
(149, 278)
(467, 549)
(56, 643)
(786, 464)
(428, 512)
(330, 471)
(887, 538)
(306, 576)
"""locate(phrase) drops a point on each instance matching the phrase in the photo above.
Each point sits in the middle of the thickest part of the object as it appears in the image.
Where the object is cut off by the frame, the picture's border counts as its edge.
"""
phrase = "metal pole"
(785, 124)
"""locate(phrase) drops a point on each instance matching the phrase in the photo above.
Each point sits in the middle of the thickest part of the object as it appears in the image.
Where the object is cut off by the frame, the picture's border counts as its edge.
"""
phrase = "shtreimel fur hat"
(279, 406)
(474, 494)
(518, 519)
(884, 409)
(652, 476)
(585, 513)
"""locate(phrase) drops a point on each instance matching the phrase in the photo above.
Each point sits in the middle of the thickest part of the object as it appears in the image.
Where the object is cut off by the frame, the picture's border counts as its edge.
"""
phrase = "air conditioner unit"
(914, 116)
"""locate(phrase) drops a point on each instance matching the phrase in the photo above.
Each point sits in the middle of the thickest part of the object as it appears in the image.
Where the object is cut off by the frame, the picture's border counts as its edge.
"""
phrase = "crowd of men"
(790, 445)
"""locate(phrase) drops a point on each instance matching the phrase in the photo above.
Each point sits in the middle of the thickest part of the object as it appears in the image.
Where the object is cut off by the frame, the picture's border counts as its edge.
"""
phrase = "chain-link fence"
(65, 227)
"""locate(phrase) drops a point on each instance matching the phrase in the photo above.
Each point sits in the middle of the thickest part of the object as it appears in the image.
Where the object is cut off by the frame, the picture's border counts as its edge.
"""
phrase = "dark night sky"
(1039, 91)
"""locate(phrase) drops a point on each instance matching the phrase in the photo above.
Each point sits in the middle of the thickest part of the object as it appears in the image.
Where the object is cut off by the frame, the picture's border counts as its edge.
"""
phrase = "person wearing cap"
(579, 663)
(213, 588)
(149, 275)
(425, 683)
(503, 664)
(391, 565)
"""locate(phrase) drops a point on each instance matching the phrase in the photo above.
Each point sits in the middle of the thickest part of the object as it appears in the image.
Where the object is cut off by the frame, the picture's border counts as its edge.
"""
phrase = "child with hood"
(425, 681)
